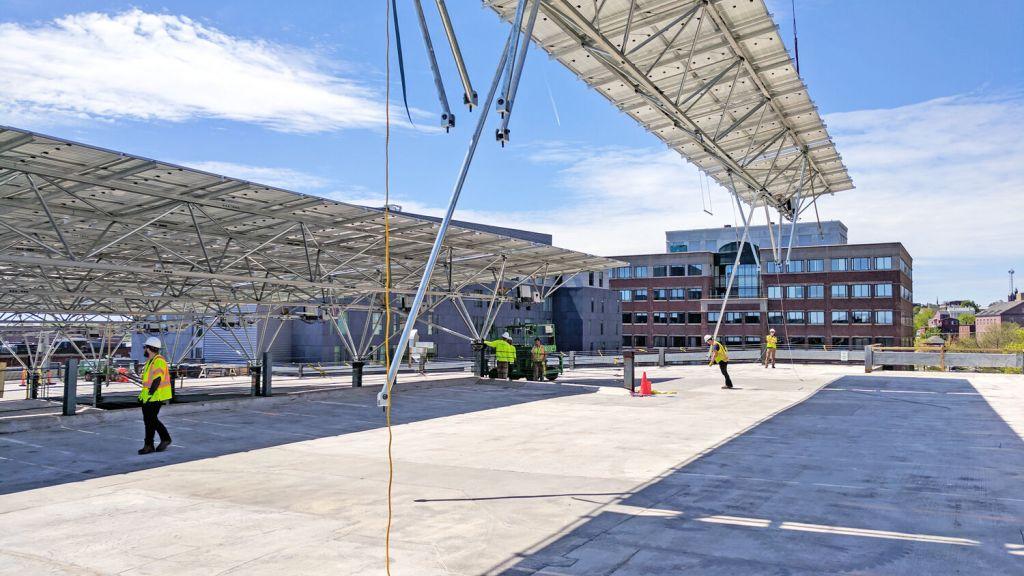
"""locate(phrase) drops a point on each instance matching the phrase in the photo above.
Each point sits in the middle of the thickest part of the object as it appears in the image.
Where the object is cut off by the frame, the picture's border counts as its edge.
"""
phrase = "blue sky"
(925, 101)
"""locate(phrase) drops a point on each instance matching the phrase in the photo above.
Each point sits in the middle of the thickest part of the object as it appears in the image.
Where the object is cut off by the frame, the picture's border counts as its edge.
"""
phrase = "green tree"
(972, 304)
(966, 318)
(1008, 336)
(921, 317)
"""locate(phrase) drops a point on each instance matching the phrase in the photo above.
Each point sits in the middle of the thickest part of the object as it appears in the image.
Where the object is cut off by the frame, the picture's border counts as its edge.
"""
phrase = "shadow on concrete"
(38, 458)
(871, 475)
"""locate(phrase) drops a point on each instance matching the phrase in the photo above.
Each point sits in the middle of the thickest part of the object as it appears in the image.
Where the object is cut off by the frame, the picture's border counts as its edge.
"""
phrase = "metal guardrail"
(876, 356)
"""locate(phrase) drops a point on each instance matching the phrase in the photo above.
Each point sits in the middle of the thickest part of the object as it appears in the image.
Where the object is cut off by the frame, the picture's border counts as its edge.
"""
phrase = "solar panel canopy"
(89, 230)
(712, 79)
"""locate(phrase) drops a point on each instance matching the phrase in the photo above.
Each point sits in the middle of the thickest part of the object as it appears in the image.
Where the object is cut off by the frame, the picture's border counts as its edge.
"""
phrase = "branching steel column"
(736, 263)
(435, 250)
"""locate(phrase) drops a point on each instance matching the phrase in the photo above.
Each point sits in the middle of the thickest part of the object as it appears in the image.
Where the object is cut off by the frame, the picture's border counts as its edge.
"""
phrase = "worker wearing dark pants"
(718, 354)
(539, 356)
(156, 389)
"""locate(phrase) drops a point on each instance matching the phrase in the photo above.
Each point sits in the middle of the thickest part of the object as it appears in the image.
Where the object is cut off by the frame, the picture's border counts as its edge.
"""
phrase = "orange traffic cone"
(645, 385)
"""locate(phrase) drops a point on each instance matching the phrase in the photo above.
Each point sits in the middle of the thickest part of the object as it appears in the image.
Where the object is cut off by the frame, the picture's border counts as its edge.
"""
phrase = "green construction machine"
(523, 336)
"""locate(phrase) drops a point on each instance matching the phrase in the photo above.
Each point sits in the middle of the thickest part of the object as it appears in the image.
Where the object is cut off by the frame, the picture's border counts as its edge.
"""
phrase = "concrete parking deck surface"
(817, 470)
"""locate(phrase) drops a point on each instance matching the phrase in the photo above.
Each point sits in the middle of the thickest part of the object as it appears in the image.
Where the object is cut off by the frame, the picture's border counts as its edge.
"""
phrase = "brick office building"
(844, 295)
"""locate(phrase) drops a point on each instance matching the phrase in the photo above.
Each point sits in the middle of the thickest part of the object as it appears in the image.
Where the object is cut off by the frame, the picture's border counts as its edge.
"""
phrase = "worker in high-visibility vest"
(156, 389)
(771, 344)
(504, 353)
(718, 354)
(539, 356)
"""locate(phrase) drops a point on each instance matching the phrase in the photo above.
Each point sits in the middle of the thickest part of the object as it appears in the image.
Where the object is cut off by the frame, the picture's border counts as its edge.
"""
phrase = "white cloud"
(143, 66)
(285, 178)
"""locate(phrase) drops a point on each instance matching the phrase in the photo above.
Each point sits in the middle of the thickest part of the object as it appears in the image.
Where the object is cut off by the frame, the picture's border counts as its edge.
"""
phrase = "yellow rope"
(387, 269)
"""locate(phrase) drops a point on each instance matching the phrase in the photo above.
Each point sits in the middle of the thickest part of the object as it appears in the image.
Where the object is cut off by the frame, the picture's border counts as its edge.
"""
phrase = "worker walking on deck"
(539, 355)
(771, 344)
(718, 354)
(156, 389)
(504, 353)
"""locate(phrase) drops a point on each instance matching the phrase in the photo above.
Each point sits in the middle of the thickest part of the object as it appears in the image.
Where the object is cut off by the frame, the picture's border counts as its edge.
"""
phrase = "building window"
(676, 317)
(660, 271)
(693, 317)
(906, 268)
(627, 317)
(591, 305)
(640, 295)
(660, 341)
(840, 342)
(623, 272)
(734, 317)
(775, 291)
(677, 247)
(883, 263)
(772, 267)
(712, 317)
(816, 317)
(861, 316)
(883, 290)
(677, 294)
(861, 290)
(640, 318)
(860, 264)
(640, 340)
(796, 266)
(694, 269)
(794, 292)
(626, 295)
(677, 270)
(660, 318)
(678, 341)
(883, 316)
(840, 317)
(659, 294)
(795, 317)
(640, 272)
(815, 265)
(815, 341)
(752, 317)
(694, 293)
(590, 279)
(816, 291)
(775, 317)
(839, 265)
(733, 340)
(906, 294)
(753, 340)
(627, 340)
(839, 290)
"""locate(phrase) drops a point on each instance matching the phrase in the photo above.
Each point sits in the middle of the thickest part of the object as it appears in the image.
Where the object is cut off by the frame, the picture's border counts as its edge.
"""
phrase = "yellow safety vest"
(538, 353)
(504, 351)
(156, 368)
(722, 355)
(772, 341)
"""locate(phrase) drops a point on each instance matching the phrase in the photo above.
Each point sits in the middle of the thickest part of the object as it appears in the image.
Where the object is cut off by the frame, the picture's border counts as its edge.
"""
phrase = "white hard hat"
(506, 335)
(707, 337)
(772, 330)
(153, 342)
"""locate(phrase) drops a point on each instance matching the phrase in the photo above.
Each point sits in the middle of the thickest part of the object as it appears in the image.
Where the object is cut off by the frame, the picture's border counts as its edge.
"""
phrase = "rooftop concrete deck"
(807, 471)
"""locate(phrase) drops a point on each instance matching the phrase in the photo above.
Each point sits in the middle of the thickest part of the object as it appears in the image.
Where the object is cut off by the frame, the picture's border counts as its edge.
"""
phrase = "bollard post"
(661, 357)
(254, 380)
(174, 382)
(868, 358)
(97, 389)
(628, 378)
(34, 384)
(572, 360)
(69, 404)
(357, 373)
(268, 374)
(301, 366)
(480, 365)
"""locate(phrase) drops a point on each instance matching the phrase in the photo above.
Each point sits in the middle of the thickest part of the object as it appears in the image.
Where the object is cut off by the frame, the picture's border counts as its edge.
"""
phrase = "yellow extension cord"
(387, 268)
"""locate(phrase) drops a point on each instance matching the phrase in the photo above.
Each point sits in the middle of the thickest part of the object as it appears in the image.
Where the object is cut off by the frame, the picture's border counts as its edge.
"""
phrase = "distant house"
(1000, 313)
(946, 322)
